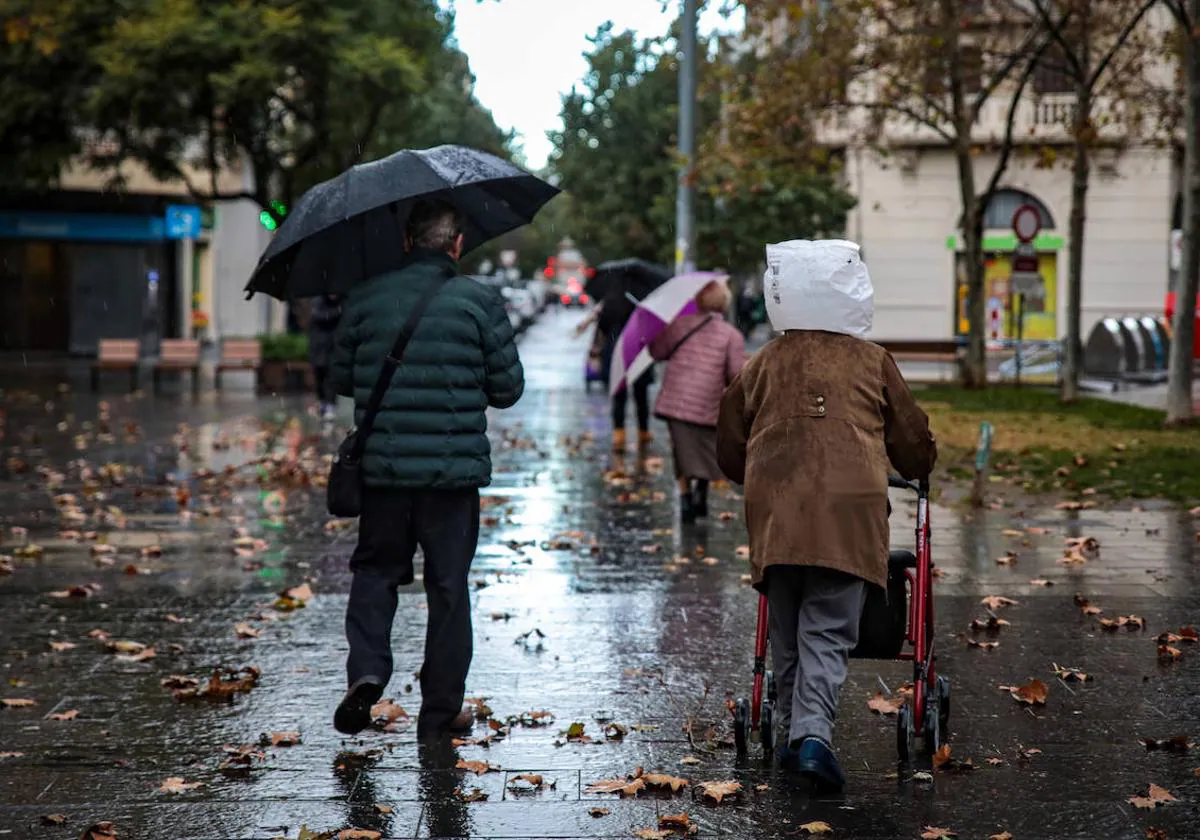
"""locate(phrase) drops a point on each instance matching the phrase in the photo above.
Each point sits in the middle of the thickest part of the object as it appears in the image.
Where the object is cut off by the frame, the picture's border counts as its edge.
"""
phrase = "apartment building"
(908, 214)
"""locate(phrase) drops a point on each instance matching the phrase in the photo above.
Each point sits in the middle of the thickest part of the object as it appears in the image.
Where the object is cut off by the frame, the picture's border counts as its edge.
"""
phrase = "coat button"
(821, 409)
(820, 400)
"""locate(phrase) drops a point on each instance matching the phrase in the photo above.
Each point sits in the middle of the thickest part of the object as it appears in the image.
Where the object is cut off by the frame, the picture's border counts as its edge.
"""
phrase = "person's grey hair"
(435, 225)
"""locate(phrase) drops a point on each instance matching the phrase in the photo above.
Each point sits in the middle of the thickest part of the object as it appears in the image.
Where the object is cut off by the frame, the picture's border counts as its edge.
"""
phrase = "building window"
(1004, 203)
(1052, 72)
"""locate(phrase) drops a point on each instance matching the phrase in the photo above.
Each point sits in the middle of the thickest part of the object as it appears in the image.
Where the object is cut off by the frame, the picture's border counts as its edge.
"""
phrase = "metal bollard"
(983, 457)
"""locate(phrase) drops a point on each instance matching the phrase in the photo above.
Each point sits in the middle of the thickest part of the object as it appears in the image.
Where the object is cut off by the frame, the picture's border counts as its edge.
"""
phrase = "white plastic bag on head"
(818, 284)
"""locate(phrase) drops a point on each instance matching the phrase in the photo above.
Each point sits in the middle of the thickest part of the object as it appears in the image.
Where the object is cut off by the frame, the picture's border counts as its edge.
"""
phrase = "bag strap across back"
(392, 361)
(690, 333)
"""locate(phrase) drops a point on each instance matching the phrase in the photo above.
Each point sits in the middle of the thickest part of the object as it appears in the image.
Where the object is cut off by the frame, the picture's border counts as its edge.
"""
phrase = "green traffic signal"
(267, 217)
(267, 220)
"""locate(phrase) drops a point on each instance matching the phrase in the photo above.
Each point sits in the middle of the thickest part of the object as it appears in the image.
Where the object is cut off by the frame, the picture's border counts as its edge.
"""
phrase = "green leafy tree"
(616, 159)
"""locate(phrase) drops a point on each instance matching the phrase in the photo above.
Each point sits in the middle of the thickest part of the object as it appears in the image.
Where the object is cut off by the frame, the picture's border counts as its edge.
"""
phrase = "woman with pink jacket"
(703, 353)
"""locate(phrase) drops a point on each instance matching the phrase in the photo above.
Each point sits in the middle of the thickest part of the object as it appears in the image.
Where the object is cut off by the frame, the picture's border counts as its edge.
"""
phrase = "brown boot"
(618, 438)
(645, 439)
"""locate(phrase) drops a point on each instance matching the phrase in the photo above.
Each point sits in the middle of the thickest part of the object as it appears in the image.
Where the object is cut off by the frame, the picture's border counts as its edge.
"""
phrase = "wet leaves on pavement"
(16, 702)
(623, 787)
(943, 761)
(476, 767)
(995, 602)
(599, 812)
(471, 795)
(719, 791)
(817, 827)
(224, 684)
(885, 705)
(1152, 799)
(1129, 622)
(176, 784)
(69, 714)
(1070, 674)
(678, 822)
(663, 780)
(1032, 693)
(100, 831)
(1178, 744)
(293, 598)
(279, 739)
(933, 832)
(357, 834)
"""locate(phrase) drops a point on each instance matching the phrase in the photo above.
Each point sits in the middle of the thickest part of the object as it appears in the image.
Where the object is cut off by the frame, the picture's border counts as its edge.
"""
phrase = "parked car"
(574, 295)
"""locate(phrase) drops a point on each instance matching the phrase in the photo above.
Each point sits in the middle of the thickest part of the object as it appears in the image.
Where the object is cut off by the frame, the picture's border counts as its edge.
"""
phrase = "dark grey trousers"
(445, 524)
(814, 616)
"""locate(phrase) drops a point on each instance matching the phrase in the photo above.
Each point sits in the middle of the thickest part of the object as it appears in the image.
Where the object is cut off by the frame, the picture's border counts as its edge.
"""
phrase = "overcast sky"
(526, 53)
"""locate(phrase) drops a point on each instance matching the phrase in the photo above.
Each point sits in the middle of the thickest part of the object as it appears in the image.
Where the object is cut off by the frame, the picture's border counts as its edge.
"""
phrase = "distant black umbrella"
(351, 227)
(636, 276)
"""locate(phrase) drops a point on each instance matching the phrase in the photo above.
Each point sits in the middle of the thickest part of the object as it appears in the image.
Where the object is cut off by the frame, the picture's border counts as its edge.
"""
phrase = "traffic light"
(268, 218)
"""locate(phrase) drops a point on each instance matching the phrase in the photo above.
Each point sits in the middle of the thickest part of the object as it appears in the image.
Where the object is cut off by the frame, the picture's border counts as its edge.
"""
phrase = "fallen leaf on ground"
(599, 812)
(663, 780)
(975, 643)
(245, 631)
(624, 787)
(1154, 797)
(53, 819)
(386, 712)
(69, 714)
(1006, 559)
(1166, 653)
(689, 759)
(1189, 634)
(294, 598)
(1129, 622)
(528, 783)
(991, 624)
(932, 832)
(476, 767)
(383, 809)
(615, 731)
(995, 761)
(742, 552)
(99, 831)
(1070, 674)
(679, 822)
(15, 702)
(280, 739)
(240, 759)
(358, 834)
(995, 602)
(1178, 744)
(652, 834)
(84, 590)
(816, 827)
(472, 795)
(942, 760)
(1041, 582)
(222, 685)
(61, 646)
(176, 784)
(124, 646)
(885, 705)
(717, 791)
(11, 754)
(1033, 692)
(1003, 835)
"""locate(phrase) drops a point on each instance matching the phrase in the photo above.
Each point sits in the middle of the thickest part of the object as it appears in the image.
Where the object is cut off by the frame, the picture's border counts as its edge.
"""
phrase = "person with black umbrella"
(424, 465)
(424, 352)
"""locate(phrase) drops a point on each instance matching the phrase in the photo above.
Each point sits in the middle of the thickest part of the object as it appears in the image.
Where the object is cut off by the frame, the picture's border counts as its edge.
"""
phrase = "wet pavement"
(591, 604)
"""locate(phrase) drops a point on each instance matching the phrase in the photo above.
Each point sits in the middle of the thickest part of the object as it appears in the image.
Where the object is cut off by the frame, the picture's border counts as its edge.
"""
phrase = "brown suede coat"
(809, 427)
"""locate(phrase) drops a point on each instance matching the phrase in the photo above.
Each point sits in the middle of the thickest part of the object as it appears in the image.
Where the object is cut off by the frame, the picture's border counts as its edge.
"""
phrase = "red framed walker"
(907, 609)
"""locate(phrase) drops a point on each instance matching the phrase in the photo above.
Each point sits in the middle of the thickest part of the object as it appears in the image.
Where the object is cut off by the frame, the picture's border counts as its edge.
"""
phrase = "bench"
(238, 354)
(179, 355)
(949, 350)
(117, 354)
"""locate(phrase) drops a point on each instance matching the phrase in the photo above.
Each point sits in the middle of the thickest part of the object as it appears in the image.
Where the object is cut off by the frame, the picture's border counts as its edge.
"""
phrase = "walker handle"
(921, 488)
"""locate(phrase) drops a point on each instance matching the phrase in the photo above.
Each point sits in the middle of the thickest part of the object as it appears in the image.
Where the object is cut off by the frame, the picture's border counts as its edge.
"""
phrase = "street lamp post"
(685, 220)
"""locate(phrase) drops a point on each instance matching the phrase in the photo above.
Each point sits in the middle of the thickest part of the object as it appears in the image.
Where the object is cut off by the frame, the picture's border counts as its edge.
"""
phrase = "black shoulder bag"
(344, 492)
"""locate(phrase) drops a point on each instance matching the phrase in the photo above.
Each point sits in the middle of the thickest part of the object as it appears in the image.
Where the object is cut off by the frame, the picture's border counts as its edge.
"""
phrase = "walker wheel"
(904, 732)
(766, 730)
(741, 725)
(772, 694)
(943, 692)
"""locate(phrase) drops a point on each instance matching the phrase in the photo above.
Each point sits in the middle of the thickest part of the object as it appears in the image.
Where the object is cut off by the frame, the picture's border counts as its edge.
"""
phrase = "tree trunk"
(1080, 175)
(1179, 377)
(975, 370)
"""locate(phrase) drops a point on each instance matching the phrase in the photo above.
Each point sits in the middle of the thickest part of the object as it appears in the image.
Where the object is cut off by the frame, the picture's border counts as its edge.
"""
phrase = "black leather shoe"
(353, 714)
(816, 761)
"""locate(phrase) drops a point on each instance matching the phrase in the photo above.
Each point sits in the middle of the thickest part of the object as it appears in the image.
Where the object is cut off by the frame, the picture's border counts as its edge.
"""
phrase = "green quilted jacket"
(431, 430)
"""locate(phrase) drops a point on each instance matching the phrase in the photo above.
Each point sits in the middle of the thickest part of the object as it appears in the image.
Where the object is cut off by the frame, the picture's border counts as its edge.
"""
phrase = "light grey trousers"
(814, 616)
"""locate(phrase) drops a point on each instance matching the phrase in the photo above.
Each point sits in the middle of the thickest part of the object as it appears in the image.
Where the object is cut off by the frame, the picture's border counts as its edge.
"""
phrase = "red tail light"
(566, 298)
(583, 298)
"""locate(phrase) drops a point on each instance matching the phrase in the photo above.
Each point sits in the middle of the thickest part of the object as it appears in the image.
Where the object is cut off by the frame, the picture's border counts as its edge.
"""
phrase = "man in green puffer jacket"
(425, 460)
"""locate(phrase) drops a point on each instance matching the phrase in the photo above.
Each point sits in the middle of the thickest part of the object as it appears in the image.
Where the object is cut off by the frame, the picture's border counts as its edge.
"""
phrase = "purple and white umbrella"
(651, 316)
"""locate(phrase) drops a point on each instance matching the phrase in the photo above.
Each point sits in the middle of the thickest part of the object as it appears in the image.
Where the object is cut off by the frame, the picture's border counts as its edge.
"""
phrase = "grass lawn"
(1091, 448)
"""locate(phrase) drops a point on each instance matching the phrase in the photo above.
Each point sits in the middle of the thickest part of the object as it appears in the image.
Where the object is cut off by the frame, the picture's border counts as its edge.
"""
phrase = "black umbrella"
(351, 227)
(636, 276)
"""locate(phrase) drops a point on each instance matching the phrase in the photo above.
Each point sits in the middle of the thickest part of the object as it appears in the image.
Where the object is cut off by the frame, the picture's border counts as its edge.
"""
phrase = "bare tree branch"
(1009, 125)
(1126, 31)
